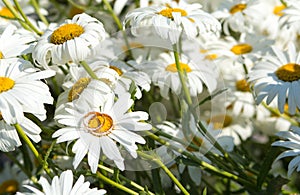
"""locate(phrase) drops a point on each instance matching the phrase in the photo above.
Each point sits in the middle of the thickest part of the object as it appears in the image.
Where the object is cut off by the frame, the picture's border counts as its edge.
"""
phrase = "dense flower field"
(149, 97)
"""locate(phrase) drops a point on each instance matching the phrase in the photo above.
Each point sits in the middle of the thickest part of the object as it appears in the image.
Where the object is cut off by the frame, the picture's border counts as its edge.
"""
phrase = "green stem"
(203, 164)
(182, 77)
(115, 184)
(38, 12)
(132, 183)
(33, 149)
(168, 172)
(26, 18)
(120, 26)
(88, 70)
(15, 13)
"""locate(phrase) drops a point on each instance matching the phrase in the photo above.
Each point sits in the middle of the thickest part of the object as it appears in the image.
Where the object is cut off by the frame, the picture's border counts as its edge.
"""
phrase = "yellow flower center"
(66, 32)
(242, 85)
(211, 56)
(289, 72)
(98, 124)
(77, 88)
(5, 12)
(1, 116)
(242, 48)
(168, 12)
(132, 45)
(278, 10)
(6, 84)
(173, 68)
(9, 187)
(238, 8)
(196, 141)
(119, 71)
(220, 121)
(1, 55)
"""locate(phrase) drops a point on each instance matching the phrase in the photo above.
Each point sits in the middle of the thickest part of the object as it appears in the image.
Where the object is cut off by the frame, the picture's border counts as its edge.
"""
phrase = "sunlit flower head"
(171, 19)
(72, 41)
(278, 78)
(96, 130)
(164, 74)
(63, 184)
(21, 90)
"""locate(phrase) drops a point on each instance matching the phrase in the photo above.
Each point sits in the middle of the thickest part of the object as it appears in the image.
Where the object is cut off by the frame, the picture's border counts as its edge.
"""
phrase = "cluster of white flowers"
(68, 79)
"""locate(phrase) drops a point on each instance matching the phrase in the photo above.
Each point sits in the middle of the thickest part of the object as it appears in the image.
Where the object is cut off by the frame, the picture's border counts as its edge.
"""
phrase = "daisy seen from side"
(72, 41)
(171, 19)
(96, 130)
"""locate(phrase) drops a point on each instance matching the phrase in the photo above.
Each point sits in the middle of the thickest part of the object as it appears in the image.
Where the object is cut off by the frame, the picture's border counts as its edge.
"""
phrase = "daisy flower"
(96, 129)
(237, 127)
(292, 143)
(164, 74)
(64, 185)
(15, 43)
(21, 90)
(172, 19)
(11, 179)
(79, 86)
(236, 15)
(278, 77)
(127, 74)
(72, 41)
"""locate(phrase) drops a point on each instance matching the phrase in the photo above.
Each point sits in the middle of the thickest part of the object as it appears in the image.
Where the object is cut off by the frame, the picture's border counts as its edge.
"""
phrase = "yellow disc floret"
(242, 48)
(220, 121)
(98, 124)
(77, 88)
(9, 187)
(6, 84)
(289, 72)
(238, 8)
(118, 70)
(1, 55)
(66, 32)
(278, 10)
(242, 85)
(173, 68)
(5, 12)
(168, 12)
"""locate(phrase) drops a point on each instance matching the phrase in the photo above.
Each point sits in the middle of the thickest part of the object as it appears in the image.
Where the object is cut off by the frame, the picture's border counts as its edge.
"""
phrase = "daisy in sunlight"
(63, 184)
(278, 78)
(164, 74)
(96, 130)
(21, 90)
(173, 18)
(72, 41)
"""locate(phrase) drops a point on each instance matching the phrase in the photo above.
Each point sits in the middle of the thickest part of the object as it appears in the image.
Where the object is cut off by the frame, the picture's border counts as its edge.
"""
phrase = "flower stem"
(15, 13)
(27, 21)
(168, 172)
(88, 70)
(115, 184)
(208, 167)
(137, 186)
(120, 26)
(38, 12)
(33, 149)
(182, 76)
